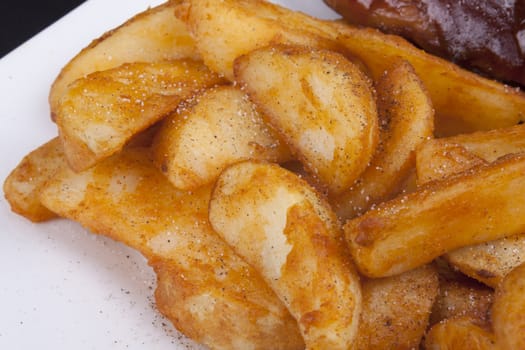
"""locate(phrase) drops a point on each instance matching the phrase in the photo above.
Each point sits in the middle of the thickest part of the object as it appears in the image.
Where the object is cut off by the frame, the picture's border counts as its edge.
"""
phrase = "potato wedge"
(321, 105)
(225, 30)
(99, 113)
(205, 289)
(22, 186)
(406, 119)
(487, 262)
(508, 312)
(279, 225)
(396, 310)
(472, 207)
(459, 333)
(151, 36)
(463, 100)
(220, 128)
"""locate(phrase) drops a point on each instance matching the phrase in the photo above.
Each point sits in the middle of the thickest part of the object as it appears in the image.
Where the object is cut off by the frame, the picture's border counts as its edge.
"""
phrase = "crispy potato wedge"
(23, 185)
(459, 333)
(508, 312)
(396, 310)
(321, 105)
(487, 262)
(222, 127)
(205, 289)
(463, 100)
(151, 36)
(406, 119)
(101, 112)
(479, 205)
(463, 298)
(225, 30)
(279, 225)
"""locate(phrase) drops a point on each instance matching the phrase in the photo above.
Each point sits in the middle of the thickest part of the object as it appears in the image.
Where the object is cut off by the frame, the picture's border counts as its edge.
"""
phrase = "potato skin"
(396, 309)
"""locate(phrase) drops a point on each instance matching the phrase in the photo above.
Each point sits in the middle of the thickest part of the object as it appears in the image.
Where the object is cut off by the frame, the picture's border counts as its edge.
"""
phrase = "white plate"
(60, 286)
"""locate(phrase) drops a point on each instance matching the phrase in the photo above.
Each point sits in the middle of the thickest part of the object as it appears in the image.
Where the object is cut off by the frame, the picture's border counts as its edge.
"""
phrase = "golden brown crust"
(23, 185)
(396, 309)
(406, 119)
(151, 36)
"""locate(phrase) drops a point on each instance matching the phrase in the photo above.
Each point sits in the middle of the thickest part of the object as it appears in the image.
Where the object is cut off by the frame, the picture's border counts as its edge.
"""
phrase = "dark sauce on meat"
(486, 36)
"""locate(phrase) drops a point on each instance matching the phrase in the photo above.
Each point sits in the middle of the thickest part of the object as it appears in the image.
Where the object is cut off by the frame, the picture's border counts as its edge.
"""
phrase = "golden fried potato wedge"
(99, 113)
(406, 119)
(508, 312)
(396, 310)
(463, 100)
(463, 298)
(279, 225)
(151, 36)
(479, 205)
(459, 333)
(205, 289)
(487, 262)
(321, 104)
(22, 186)
(220, 128)
(225, 30)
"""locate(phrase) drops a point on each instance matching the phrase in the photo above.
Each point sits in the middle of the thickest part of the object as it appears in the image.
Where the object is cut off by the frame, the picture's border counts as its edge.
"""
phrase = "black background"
(20, 20)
